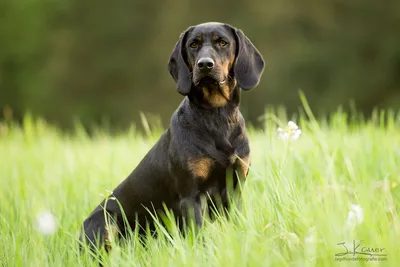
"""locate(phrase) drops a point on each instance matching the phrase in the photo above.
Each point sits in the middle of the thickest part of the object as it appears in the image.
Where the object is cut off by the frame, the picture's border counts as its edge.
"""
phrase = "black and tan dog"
(210, 63)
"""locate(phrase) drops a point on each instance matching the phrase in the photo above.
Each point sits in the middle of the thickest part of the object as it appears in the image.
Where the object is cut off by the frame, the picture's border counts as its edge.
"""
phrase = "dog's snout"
(205, 64)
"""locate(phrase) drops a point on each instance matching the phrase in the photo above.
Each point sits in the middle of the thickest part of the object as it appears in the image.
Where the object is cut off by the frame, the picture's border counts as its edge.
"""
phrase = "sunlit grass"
(296, 201)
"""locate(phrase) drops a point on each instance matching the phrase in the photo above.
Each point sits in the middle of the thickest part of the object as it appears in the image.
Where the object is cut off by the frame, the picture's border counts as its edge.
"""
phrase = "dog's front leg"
(240, 166)
(241, 144)
(191, 208)
(226, 147)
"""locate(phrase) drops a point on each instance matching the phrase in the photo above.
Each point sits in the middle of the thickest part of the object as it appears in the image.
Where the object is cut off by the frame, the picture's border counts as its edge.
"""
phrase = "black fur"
(205, 135)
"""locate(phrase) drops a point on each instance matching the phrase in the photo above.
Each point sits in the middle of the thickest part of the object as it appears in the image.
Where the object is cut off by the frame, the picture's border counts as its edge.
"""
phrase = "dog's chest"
(219, 126)
(207, 167)
(214, 180)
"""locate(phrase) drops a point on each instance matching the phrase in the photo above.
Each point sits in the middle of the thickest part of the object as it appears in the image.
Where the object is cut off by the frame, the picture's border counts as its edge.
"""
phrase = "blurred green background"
(106, 61)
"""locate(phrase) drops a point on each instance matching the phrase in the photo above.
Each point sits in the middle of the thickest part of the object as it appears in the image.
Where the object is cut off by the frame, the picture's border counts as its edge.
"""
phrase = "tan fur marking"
(201, 167)
(242, 167)
(231, 61)
(226, 92)
(226, 67)
(215, 98)
(215, 37)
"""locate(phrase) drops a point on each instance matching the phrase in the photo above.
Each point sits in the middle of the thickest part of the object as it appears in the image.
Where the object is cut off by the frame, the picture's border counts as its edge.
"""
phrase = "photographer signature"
(360, 250)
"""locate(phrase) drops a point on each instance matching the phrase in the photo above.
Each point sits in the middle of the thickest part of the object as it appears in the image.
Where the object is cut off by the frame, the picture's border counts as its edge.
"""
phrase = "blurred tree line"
(96, 60)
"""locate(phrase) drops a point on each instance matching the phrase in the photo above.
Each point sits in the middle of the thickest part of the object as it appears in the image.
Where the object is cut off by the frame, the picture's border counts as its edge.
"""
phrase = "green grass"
(295, 205)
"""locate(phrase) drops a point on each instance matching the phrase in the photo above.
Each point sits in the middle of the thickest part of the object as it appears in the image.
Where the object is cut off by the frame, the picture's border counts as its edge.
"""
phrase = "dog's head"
(213, 58)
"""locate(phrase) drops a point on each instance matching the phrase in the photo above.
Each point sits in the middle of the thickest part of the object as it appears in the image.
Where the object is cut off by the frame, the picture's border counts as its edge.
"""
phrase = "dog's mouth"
(213, 86)
(207, 80)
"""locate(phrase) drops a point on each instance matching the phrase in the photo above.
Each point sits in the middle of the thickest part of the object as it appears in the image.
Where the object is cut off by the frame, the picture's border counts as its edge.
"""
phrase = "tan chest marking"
(200, 167)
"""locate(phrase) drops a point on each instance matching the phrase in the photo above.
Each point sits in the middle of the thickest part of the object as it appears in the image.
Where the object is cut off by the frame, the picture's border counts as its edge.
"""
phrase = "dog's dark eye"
(194, 45)
(222, 43)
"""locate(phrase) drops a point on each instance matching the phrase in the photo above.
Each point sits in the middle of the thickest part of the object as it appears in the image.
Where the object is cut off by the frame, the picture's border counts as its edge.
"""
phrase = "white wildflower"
(46, 223)
(292, 131)
(109, 195)
(311, 236)
(311, 245)
(292, 125)
(355, 216)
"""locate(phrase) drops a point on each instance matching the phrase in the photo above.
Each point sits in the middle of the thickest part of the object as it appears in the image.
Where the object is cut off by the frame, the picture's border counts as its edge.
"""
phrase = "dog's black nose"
(205, 64)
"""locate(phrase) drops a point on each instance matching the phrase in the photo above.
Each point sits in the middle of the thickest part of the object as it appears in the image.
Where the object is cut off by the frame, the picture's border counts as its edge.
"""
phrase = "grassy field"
(337, 183)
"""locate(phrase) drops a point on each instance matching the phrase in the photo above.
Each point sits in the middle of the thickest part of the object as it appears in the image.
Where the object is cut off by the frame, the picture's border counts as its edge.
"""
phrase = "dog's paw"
(233, 158)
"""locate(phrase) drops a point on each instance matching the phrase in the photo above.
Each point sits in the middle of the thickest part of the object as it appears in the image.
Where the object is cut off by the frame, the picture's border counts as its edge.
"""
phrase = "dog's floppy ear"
(249, 63)
(178, 67)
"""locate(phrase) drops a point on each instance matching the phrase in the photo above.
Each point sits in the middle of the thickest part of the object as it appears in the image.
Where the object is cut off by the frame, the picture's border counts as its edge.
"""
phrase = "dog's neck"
(197, 99)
